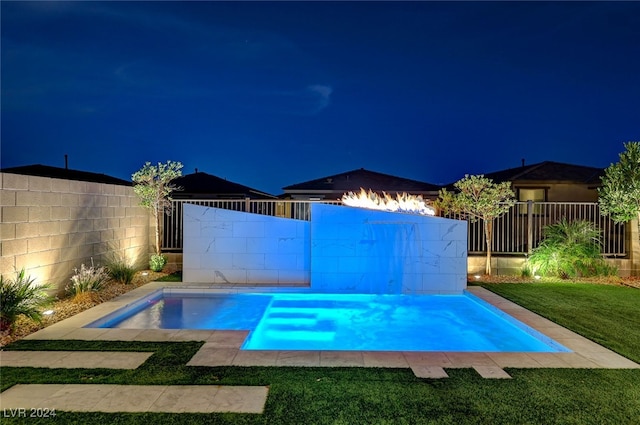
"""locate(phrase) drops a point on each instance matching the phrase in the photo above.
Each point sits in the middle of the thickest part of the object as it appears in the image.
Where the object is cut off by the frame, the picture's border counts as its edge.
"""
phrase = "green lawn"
(396, 396)
(608, 315)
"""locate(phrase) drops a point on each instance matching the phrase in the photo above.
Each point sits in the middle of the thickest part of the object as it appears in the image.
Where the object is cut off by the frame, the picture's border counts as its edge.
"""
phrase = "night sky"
(273, 94)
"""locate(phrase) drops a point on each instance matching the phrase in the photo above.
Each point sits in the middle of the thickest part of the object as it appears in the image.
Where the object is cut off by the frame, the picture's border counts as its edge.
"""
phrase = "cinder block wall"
(51, 226)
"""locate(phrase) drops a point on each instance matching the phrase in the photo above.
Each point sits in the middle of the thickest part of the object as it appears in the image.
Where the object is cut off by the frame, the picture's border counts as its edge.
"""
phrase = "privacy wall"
(51, 226)
(224, 246)
(342, 250)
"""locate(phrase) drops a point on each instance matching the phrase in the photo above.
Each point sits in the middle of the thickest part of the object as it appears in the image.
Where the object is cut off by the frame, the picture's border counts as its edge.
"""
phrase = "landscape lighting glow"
(403, 202)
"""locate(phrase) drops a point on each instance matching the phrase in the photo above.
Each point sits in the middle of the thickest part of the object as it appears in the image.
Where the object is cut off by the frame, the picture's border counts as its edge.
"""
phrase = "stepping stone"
(74, 359)
(431, 372)
(492, 372)
(136, 398)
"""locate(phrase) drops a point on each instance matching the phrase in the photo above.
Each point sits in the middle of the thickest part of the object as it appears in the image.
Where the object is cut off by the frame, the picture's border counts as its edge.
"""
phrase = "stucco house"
(551, 181)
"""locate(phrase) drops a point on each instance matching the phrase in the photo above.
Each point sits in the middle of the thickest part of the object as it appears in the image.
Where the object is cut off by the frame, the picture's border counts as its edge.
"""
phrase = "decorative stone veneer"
(355, 250)
(51, 226)
(342, 249)
(224, 246)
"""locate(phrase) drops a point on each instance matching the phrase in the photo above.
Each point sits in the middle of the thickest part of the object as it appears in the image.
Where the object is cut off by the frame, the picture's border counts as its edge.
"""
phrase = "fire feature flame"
(413, 204)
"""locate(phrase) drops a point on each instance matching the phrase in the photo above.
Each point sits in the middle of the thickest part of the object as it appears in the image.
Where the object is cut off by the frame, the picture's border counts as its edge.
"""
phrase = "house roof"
(65, 173)
(549, 171)
(207, 185)
(361, 178)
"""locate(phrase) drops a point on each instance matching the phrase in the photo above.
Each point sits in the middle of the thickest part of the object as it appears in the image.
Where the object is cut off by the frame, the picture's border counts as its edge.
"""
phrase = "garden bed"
(67, 307)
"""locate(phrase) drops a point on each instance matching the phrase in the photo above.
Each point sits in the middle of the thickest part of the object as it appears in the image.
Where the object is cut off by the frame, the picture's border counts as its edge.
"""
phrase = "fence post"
(529, 226)
(633, 236)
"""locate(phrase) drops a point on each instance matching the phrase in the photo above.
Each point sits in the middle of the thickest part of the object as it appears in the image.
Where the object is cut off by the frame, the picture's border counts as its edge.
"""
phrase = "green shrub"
(569, 249)
(88, 279)
(21, 297)
(121, 272)
(157, 262)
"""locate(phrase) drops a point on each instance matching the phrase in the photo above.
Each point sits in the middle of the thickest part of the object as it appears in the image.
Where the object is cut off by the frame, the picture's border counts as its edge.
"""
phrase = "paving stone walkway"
(135, 398)
(74, 359)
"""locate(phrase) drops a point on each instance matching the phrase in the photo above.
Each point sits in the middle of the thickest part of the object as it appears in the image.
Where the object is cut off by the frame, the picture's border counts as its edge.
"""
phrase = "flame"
(403, 202)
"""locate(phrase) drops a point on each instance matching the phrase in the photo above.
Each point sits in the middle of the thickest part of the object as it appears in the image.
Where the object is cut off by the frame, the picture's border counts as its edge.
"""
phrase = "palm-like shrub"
(20, 296)
(569, 249)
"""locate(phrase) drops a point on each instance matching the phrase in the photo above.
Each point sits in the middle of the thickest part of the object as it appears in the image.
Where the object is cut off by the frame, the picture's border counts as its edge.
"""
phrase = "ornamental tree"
(619, 196)
(152, 184)
(478, 197)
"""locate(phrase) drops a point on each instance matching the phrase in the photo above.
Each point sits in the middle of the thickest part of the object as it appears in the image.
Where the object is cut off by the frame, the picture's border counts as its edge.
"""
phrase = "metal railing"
(517, 232)
(521, 229)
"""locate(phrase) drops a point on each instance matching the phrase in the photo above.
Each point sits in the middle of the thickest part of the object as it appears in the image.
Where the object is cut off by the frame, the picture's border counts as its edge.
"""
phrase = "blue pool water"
(286, 321)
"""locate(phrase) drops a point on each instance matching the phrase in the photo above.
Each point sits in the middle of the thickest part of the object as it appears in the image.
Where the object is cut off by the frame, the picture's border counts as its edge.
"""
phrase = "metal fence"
(521, 229)
(517, 232)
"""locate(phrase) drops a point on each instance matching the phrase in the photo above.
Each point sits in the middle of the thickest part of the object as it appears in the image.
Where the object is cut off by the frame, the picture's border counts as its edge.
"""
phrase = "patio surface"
(222, 348)
(134, 398)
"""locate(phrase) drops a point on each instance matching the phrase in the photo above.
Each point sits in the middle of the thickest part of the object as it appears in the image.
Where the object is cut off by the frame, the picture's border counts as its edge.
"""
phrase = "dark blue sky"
(272, 94)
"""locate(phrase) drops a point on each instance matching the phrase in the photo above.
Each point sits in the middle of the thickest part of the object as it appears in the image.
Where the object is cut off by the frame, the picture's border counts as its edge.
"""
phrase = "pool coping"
(222, 348)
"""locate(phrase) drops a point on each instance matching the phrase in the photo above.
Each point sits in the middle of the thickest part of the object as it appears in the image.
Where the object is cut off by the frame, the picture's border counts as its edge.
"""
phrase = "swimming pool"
(344, 322)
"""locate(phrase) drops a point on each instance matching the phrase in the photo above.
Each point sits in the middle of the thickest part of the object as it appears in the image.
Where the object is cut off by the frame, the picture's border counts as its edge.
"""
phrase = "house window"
(535, 195)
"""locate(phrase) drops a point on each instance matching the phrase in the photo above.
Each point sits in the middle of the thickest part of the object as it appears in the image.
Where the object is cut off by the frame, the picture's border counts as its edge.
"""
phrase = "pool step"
(296, 323)
(301, 335)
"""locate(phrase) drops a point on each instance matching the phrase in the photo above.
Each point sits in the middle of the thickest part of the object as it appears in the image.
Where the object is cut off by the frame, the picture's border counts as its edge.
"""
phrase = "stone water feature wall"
(342, 250)
(224, 246)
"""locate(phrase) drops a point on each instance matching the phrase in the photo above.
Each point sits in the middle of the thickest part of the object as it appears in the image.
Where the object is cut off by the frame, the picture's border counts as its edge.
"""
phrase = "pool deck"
(222, 348)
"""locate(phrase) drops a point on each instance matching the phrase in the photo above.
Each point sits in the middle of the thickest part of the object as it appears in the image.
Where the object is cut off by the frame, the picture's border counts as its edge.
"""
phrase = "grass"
(392, 396)
(606, 314)
(173, 277)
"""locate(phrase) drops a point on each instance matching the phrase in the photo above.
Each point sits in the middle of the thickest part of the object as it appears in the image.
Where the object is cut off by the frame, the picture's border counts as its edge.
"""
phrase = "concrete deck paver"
(298, 358)
(77, 397)
(492, 372)
(192, 335)
(185, 398)
(469, 359)
(74, 359)
(129, 398)
(341, 359)
(120, 335)
(211, 355)
(431, 372)
(227, 339)
(519, 360)
(436, 358)
(240, 399)
(25, 396)
(255, 358)
(136, 398)
(392, 359)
